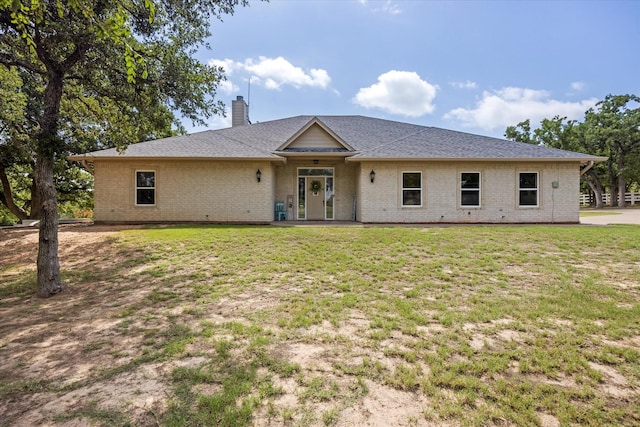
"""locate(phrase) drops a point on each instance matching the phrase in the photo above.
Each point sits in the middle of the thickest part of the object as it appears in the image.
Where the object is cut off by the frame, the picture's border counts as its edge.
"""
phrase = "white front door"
(315, 198)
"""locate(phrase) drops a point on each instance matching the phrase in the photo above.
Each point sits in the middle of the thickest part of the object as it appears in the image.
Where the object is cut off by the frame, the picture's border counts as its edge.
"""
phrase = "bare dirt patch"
(76, 353)
(64, 341)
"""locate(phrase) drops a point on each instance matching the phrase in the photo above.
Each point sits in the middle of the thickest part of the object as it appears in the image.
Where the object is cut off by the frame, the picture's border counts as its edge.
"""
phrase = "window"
(470, 189)
(528, 189)
(302, 199)
(411, 188)
(145, 188)
(328, 196)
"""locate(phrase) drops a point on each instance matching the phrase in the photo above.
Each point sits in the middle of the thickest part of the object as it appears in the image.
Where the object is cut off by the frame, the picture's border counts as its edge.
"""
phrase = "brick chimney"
(239, 112)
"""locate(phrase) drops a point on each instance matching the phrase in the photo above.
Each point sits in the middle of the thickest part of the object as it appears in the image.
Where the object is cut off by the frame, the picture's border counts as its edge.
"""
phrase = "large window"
(470, 189)
(145, 188)
(528, 189)
(411, 188)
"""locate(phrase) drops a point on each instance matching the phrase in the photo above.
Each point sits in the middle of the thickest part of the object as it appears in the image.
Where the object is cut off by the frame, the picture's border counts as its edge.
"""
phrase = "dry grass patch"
(324, 326)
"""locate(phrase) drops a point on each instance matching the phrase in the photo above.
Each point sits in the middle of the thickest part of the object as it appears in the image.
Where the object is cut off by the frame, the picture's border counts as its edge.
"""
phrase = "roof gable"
(315, 136)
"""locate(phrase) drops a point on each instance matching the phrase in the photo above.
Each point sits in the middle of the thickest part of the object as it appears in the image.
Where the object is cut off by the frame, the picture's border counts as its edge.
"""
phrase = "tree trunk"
(48, 145)
(596, 186)
(622, 182)
(35, 204)
(49, 281)
(613, 184)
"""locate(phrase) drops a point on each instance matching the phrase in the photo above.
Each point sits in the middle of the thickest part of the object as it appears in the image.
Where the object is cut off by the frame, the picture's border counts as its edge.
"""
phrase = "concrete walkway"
(619, 216)
(611, 216)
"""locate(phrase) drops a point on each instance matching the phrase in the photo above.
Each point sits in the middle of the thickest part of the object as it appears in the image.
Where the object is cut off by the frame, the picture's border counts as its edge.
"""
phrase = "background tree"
(89, 123)
(12, 104)
(559, 132)
(521, 133)
(616, 125)
(611, 129)
(123, 54)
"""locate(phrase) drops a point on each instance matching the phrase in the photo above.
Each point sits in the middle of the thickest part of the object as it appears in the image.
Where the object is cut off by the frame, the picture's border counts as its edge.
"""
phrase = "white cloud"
(511, 105)
(228, 88)
(464, 85)
(399, 92)
(273, 73)
(276, 72)
(388, 6)
(225, 86)
(577, 86)
(219, 122)
(227, 65)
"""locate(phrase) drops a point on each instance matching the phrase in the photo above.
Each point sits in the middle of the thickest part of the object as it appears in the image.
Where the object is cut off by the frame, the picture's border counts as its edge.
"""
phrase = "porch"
(315, 191)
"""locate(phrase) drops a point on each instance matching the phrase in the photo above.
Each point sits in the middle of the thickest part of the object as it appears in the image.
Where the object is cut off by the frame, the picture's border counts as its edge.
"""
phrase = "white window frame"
(479, 190)
(536, 189)
(411, 189)
(135, 194)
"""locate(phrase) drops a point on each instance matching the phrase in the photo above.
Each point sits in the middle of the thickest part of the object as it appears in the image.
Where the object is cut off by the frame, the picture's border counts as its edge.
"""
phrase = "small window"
(528, 189)
(411, 188)
(145, 188)
(470, 189)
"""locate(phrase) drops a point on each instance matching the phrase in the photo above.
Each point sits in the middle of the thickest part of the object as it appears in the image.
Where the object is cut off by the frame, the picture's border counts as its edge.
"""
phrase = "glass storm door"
(315, 194)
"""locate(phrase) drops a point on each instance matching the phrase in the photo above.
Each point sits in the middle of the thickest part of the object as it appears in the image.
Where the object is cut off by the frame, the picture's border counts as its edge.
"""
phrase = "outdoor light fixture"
(258, 175)
(372, 175)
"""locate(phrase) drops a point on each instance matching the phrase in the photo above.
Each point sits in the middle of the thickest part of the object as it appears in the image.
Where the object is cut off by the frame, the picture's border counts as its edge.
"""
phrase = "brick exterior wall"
(188, 190)
(381, 201)
(220, 191)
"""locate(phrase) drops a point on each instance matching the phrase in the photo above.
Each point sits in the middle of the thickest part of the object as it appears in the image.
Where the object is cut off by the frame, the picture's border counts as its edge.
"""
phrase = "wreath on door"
(315, 186)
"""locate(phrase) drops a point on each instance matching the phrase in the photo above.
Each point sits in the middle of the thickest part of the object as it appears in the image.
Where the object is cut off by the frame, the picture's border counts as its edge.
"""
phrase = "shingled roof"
(370, 139)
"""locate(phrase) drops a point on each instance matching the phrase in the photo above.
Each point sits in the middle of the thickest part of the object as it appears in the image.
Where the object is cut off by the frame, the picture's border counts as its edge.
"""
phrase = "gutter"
(91, 159)
(476, 159)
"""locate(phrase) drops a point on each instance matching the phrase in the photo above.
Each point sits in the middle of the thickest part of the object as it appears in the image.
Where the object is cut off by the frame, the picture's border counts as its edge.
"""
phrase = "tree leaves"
(611, 129)
(113, 51)
(127, 67)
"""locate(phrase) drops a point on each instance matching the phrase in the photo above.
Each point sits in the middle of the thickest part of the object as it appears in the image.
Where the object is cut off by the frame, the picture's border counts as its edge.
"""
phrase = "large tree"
(120, 52)
(611, 129)
(559, 132)
(13, 102)
(87, 121)
(615, 123)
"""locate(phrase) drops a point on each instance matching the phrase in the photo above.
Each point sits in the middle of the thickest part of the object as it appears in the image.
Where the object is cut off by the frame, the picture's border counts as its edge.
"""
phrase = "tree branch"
(14, 62)
(7, 198)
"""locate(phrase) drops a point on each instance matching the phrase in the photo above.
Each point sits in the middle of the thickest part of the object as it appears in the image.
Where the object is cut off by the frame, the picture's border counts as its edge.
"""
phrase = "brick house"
(335, 168)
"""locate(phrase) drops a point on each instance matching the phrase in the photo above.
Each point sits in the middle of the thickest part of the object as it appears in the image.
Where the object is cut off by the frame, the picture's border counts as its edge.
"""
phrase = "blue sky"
(474, 66)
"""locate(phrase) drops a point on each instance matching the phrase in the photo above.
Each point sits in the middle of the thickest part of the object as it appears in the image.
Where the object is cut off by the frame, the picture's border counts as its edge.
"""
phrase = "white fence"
(630, 198)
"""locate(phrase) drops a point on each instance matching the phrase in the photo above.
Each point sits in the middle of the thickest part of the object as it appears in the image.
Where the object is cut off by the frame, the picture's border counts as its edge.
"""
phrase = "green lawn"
(317, 325)
(597, 213)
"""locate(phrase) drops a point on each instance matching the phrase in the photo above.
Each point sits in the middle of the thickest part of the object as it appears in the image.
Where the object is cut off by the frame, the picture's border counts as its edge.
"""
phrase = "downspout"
(590, 164)
(85, 164)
